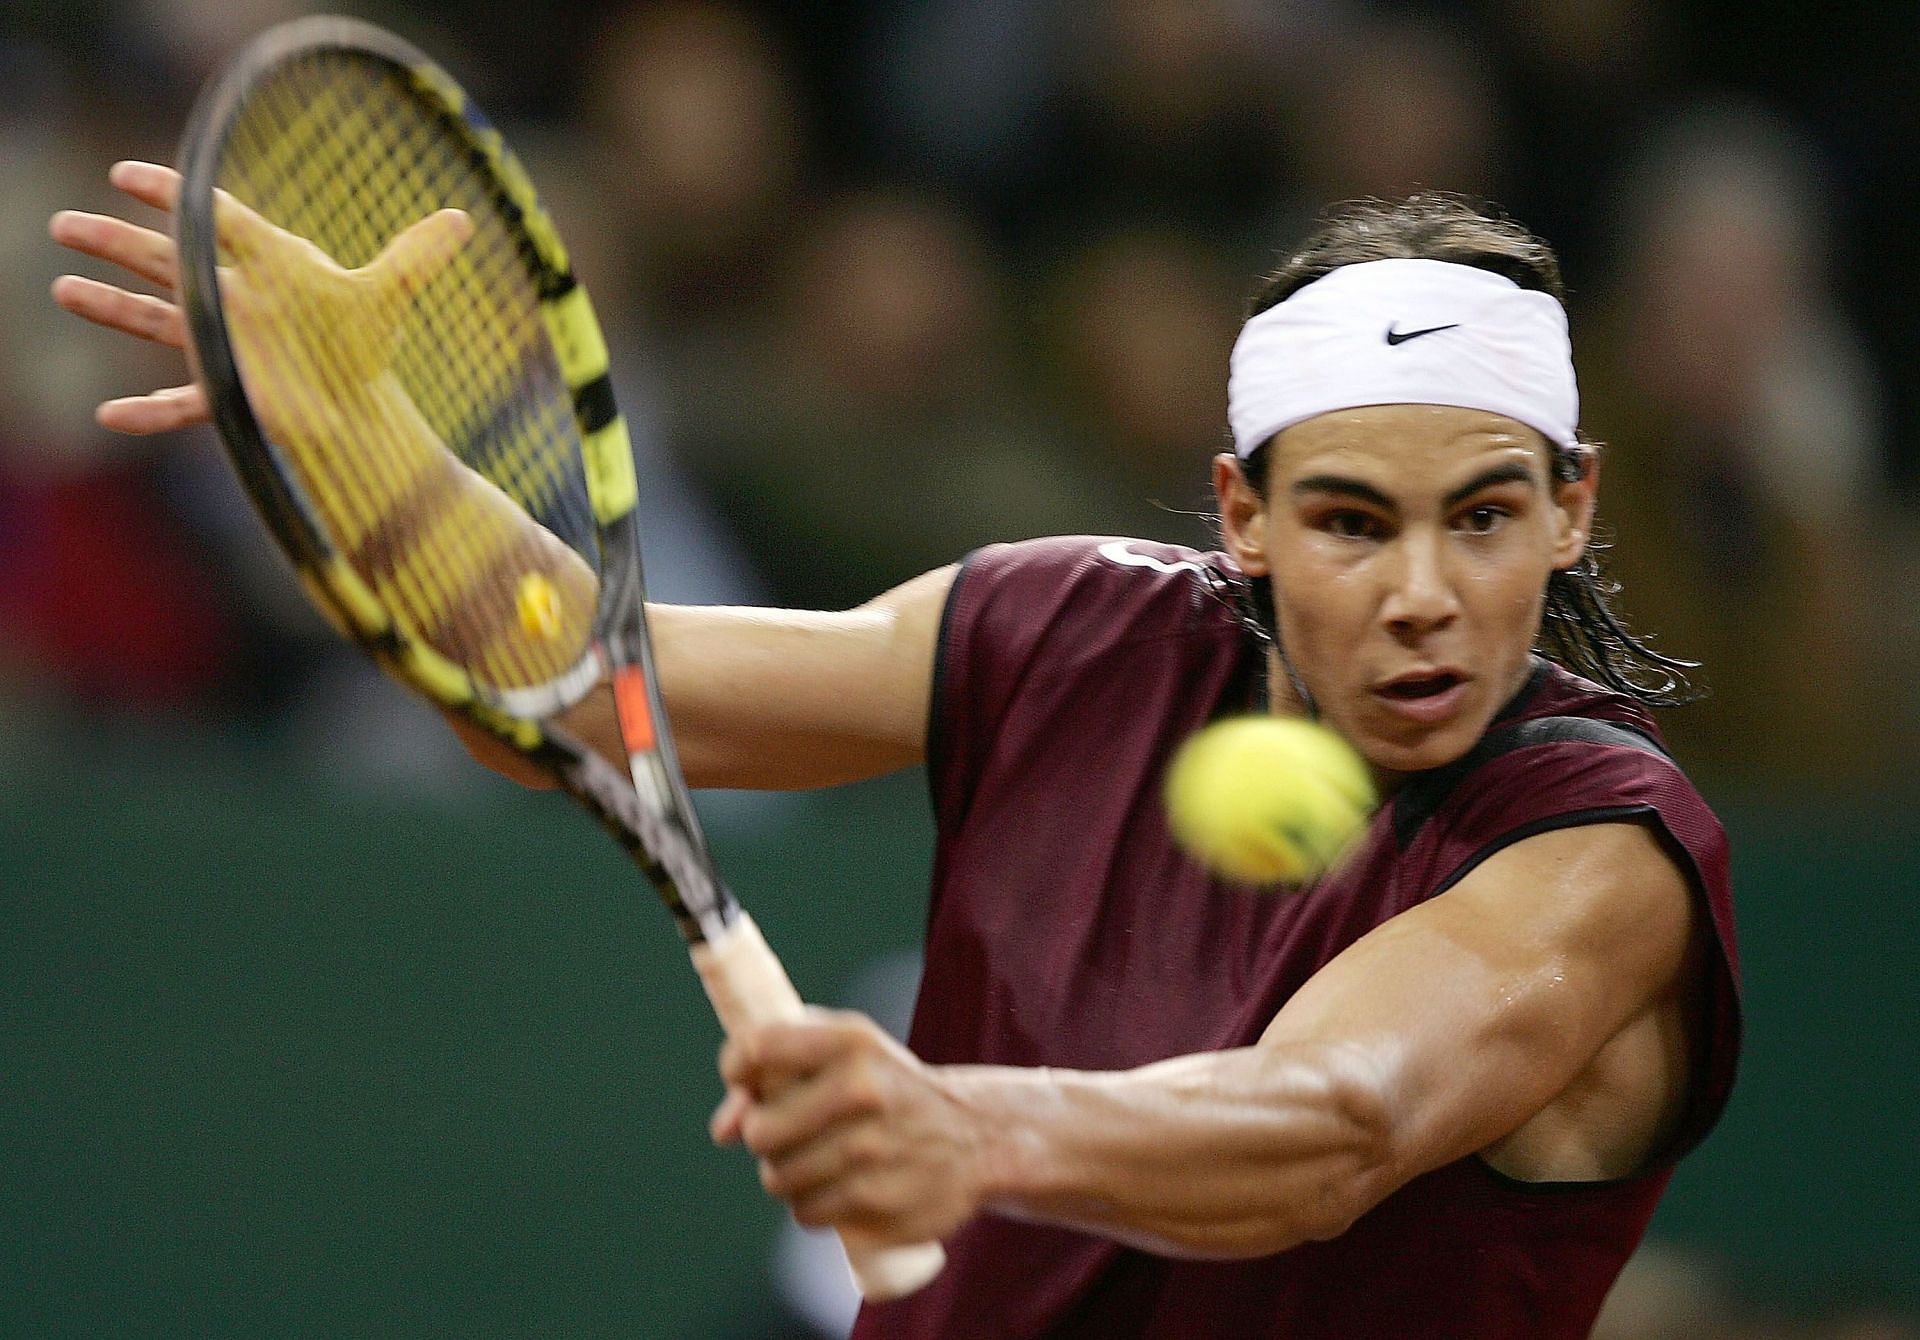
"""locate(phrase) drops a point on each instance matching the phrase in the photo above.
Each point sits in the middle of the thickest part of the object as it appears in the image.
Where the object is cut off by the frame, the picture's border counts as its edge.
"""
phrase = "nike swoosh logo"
(1118, 551)
(1402, 336)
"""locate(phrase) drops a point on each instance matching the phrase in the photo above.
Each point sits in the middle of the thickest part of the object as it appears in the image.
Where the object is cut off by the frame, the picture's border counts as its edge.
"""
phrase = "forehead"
(1401, 447)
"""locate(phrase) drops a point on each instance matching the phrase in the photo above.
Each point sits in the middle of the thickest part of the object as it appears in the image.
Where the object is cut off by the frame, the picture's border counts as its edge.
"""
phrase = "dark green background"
(284, 1060)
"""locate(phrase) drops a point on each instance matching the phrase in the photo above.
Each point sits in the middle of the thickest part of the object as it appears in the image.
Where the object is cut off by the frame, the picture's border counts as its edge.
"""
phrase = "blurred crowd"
(890, 280)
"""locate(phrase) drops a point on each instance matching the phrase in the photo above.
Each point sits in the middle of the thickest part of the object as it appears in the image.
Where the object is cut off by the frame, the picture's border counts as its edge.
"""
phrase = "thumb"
(724, 1126)
(244, 233)
(422, 251)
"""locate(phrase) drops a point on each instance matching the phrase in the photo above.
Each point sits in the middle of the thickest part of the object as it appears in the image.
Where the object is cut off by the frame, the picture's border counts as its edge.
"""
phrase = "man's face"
(1409, 548)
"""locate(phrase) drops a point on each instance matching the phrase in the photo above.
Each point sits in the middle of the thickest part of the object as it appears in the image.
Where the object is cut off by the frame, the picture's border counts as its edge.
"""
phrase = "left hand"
(852, 1130)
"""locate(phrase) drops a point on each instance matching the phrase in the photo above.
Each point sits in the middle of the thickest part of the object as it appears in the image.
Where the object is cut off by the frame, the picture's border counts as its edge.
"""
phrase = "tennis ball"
(538, 604)
(1267, 800)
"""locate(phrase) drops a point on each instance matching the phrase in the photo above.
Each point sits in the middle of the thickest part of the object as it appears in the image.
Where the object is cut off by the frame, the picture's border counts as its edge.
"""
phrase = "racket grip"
(748, 986)
(885, 1273)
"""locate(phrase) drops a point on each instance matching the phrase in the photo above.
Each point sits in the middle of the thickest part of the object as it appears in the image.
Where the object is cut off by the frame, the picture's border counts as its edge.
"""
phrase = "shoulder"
(1089, 592)
(1571, 811)
(1565, 751)
(1567, 754)
(1090, 563)
(1091, 634)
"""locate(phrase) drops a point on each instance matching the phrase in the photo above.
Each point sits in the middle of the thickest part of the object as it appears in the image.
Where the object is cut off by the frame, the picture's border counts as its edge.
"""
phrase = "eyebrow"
(1349, 488)
(1511, 472)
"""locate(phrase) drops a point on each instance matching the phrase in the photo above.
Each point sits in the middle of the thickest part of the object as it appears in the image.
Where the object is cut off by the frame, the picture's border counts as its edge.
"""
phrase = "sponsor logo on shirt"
(1122, 552)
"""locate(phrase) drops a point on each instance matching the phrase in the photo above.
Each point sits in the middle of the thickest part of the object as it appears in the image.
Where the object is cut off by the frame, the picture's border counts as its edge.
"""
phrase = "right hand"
(295, 271)
(147, 255)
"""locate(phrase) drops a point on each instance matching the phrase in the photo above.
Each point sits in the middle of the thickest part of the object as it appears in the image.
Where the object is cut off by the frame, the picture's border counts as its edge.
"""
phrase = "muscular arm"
(1439, 1034)
(1434, 1037)
(790, 699)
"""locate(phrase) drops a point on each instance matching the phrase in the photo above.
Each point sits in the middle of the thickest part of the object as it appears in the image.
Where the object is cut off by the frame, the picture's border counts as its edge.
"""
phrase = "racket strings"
(422, 412)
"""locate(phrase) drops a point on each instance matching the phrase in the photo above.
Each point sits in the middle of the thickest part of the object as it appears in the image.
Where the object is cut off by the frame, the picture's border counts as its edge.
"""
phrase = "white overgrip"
(748, 986)
(744, 980)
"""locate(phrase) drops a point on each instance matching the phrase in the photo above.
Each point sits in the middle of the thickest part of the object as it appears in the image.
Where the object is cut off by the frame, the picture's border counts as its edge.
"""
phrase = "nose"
(1420, 595)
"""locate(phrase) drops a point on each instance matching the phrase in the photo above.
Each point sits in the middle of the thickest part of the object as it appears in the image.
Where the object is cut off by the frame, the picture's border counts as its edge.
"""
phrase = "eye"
(1484, 519)
(1348, 524)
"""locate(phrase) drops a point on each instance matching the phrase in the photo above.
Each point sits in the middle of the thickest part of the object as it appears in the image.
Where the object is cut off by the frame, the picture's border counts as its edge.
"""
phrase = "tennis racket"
(413, 389)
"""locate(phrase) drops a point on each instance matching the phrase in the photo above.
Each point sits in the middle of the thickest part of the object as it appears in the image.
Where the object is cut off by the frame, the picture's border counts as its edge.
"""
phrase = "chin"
(1402, 751)
(1403, 759)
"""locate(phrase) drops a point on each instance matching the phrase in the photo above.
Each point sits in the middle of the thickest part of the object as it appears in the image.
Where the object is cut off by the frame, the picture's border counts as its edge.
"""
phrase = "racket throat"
(635, 712)
(639, 811)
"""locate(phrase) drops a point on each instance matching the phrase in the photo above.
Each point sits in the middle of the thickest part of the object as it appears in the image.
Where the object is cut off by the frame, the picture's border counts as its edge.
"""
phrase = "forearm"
(790, 699)
(1224, 1154)
(766, 699)
(389, 494)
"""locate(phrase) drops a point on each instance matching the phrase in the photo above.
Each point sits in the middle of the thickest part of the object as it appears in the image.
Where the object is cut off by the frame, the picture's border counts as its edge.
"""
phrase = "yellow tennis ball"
(1267, 800)
(538, 604)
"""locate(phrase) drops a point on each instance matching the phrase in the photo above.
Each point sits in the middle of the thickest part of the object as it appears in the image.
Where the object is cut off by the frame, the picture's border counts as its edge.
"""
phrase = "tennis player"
(1437, 1093)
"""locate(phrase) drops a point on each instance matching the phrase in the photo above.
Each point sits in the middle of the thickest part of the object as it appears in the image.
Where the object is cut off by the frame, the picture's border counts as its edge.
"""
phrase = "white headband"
(1404, 332)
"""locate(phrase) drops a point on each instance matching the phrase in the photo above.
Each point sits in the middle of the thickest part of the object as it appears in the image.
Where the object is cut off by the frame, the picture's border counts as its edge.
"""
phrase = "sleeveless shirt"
(1066, 929)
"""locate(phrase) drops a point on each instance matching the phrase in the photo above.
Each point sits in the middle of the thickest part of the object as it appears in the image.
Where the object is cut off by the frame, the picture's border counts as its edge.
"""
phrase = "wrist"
(1016, 1161)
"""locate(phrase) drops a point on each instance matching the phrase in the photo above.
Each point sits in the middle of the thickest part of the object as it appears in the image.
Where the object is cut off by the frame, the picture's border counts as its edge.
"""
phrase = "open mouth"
(1423, 686)
(1427, 698)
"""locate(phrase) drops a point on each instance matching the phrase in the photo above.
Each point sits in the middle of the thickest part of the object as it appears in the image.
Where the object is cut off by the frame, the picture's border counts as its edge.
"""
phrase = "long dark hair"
(1578, 627)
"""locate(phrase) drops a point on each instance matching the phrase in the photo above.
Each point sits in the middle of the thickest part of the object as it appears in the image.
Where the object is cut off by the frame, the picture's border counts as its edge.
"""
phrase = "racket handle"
(883, 1274)
(748, 986)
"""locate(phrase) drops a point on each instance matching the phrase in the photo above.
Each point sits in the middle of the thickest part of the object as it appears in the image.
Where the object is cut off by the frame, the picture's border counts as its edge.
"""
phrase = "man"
(1436, 1093)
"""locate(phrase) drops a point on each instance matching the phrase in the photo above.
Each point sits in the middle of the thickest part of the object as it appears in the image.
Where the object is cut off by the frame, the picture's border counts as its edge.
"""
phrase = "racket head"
(397, 430)
(335, 133)
(396, 415)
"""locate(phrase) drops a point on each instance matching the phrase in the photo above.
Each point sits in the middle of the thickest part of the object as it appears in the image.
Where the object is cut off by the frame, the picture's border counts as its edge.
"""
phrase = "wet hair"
(1579, 627)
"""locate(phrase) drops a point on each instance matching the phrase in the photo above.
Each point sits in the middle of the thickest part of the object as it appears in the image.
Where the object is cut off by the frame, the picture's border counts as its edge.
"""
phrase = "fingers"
(151, 256)
(142, 251)
(149, 183)
(240, 229)
(803, 1171)
(776, 1127)
(423, 250)
(848, 1127)
(158, 412)
(790, 1084)
(137, 314)
(764, 1060)
(854, 1178)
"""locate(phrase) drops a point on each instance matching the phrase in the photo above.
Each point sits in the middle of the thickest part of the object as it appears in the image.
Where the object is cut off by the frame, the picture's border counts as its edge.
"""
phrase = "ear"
(1243, 515)
(1573, 502)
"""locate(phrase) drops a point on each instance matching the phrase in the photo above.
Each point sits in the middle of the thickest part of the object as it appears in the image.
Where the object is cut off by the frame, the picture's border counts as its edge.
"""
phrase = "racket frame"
(668, 843)
(650, 811)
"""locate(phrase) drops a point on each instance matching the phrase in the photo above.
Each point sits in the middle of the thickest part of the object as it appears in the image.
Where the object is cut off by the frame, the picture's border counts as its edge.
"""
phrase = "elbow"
(1358, 1165)
(1363, 1167)
(1341, 1160)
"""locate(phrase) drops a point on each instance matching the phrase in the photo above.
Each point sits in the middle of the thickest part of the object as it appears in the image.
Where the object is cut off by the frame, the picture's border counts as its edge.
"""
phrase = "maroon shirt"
(1067, 930)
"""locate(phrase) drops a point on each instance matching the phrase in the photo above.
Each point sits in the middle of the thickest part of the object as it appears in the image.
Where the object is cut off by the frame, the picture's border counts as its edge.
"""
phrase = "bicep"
(790, 699)
(1470, 1012)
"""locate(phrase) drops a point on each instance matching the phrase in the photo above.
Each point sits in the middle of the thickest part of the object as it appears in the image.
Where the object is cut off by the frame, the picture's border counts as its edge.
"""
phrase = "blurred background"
(308, 1025)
